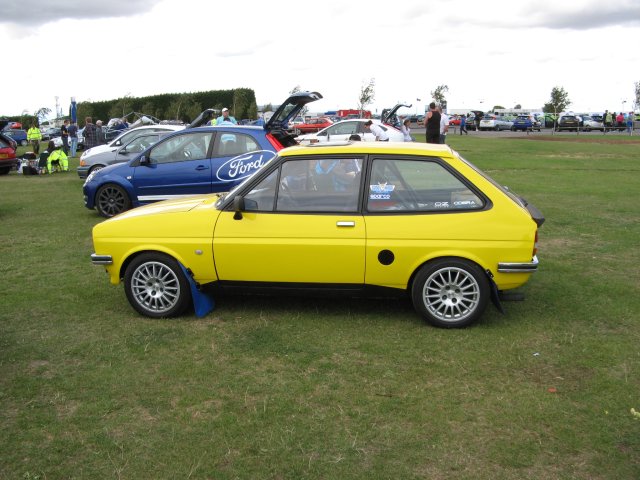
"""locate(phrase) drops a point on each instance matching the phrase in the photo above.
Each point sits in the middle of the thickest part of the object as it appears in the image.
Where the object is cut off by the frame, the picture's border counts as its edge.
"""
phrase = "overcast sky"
(492, 52)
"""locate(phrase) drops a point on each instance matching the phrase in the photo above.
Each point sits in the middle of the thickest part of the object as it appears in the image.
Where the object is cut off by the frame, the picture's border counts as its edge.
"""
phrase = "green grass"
(305, 388)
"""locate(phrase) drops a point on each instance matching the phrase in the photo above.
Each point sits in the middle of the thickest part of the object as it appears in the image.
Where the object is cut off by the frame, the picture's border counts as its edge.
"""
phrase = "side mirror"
(145, 160)
(238, 207)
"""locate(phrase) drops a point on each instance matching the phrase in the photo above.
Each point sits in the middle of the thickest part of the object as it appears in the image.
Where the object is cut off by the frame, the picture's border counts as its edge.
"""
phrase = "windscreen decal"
(243, 165)
(381, 191)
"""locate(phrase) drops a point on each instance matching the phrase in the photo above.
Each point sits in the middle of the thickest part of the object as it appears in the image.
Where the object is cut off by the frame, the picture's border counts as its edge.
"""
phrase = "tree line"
(183, 107)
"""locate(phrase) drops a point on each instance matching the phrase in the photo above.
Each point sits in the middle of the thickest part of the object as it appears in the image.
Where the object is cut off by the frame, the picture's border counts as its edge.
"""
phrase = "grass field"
(273, 388)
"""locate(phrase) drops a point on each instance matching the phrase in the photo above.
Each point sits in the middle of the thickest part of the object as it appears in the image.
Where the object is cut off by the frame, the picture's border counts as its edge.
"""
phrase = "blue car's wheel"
(111, 200)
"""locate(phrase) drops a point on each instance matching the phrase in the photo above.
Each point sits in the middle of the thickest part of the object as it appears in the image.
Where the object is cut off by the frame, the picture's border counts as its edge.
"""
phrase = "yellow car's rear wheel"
(450, 292)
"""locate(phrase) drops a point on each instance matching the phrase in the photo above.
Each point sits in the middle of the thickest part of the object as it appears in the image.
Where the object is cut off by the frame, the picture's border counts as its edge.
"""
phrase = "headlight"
(90, 177)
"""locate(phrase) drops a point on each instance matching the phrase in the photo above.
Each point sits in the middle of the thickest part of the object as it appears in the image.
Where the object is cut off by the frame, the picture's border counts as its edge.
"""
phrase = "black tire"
(156, 286)
(112, 199)
(450, 292)
(24, 143)
(95, 168)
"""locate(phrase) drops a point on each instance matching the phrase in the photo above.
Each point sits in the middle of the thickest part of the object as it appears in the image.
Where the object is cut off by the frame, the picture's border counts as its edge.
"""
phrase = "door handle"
(202, 167)
(346, 224)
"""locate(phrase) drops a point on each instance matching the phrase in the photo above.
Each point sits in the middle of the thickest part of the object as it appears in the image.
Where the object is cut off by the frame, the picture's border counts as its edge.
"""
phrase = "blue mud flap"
(203, 303)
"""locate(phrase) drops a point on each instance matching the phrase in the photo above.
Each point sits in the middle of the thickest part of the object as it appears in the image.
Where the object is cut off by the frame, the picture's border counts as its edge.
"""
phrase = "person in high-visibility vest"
(34, 136)
(58, 157)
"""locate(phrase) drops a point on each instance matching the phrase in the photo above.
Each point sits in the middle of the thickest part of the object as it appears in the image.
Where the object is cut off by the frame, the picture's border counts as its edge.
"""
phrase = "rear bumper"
(101, 259)
(519, 267)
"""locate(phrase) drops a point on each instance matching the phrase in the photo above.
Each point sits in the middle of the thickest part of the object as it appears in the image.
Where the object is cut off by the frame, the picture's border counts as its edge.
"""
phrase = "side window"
(180, 148)
(232, 144)
(329, 184)
(346, 128)
(417, 185)
(262, 197)
(140, 144)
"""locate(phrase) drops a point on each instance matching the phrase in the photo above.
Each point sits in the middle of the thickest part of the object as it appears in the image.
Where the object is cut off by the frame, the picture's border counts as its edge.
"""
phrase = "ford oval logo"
(243, 165)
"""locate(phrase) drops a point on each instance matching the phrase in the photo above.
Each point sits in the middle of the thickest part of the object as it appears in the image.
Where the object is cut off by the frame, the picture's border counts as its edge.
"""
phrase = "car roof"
(408, 148)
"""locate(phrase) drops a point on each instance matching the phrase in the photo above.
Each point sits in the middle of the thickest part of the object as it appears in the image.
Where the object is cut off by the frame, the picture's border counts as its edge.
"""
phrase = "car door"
(299, 225)
(410, 199)
(178, 166)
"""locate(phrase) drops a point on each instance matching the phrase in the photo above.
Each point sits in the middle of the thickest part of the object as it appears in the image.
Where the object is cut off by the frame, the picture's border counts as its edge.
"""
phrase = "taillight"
(274, 142)
(535, 244)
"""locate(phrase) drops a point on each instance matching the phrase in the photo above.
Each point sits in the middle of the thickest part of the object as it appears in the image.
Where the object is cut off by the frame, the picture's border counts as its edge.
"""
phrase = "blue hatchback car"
(18, 136)
(193, 161)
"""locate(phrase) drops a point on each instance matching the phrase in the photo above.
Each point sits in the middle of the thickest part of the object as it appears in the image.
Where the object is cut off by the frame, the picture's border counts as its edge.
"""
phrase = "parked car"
(126, 137)
(19, 136)
(6, 124)
(589, 123)
(119, 154)
(389, 116)
(51, 133)
(416, 119)
(526, 122)
(408, 219)
(343, 130)
(57, 142)
(311, 126)
(192, 161)
(8, 159)
(495, 122)
(568, 122)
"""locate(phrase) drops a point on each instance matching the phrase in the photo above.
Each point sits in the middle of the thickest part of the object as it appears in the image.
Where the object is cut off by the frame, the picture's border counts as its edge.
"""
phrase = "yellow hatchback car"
(361, 218)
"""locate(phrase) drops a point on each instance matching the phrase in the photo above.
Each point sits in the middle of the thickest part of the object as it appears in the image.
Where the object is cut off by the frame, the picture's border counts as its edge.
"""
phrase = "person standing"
(100, 134)
(73, 138)
(405, 128)
(90, 134)
(379, 134)
(432, 120)
(608, 120)
(630, 123)
(34, 135)
(444, 125)
(225, 117)
(64, 135)
(463, 124)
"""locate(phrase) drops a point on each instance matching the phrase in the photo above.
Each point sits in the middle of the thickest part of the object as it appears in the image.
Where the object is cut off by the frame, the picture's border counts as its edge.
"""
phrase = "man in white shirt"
(378, 132)
(444, 125)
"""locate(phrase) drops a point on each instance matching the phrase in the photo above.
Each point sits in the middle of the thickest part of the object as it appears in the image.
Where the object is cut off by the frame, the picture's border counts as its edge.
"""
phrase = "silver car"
(120, 154)
(494, 122)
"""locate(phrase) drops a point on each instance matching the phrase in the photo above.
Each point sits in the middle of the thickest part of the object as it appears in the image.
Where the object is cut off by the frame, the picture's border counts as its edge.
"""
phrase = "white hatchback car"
(341, 131)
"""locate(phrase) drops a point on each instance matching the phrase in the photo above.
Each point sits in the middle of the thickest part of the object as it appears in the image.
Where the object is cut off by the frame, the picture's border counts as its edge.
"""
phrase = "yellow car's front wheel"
(450, 292)
(155, 286)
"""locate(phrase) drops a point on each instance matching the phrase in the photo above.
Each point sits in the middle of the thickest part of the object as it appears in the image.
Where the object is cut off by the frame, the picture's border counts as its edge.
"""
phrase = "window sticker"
(381, 191)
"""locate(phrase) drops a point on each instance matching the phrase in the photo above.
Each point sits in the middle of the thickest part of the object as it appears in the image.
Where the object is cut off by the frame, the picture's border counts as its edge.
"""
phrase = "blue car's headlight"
(90, 177)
